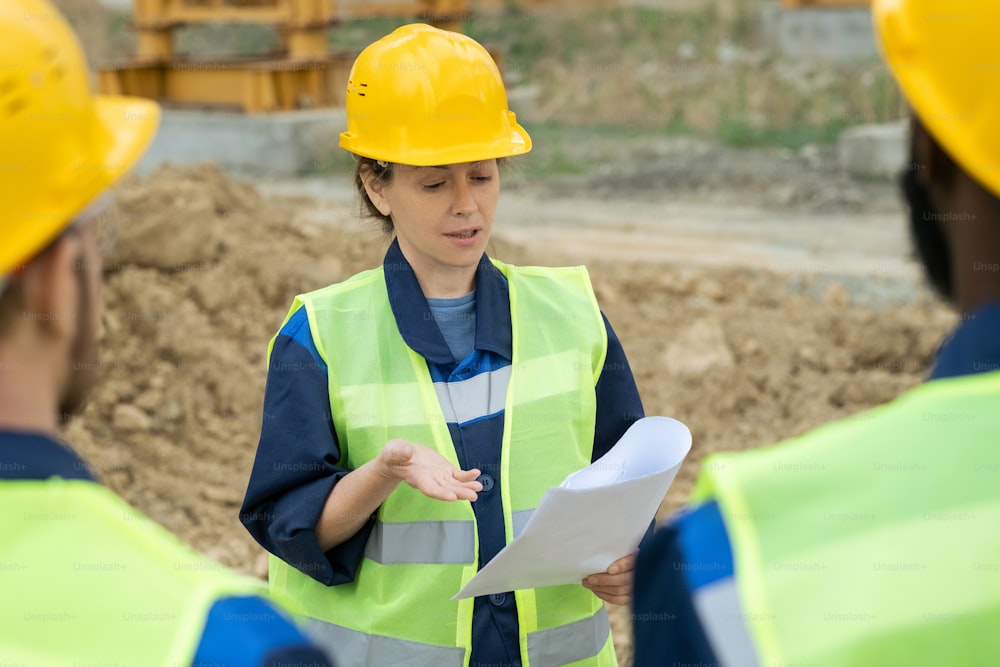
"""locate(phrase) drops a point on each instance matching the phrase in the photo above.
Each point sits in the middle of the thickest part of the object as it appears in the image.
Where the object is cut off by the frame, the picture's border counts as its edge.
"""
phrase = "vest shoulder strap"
(97, 581)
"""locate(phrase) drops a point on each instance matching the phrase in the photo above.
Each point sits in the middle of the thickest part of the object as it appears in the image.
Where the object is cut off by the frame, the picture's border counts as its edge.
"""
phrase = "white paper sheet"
(596, 516)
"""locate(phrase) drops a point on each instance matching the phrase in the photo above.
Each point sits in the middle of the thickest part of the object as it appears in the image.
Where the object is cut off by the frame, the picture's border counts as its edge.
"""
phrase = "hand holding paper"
(597, 515)
(615, 584)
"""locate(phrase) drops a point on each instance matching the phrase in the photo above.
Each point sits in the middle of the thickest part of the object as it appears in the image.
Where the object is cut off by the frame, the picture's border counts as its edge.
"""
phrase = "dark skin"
(974, 235)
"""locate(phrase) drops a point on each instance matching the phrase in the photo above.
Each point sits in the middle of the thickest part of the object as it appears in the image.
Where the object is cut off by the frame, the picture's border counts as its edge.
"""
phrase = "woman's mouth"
(463, 235)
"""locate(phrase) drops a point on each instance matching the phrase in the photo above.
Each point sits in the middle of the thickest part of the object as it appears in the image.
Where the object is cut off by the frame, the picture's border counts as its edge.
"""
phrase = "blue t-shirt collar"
(416, 324)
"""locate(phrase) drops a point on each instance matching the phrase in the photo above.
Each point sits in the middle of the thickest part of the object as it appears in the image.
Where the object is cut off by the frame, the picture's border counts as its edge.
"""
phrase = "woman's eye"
(482, 179)
(433, 186)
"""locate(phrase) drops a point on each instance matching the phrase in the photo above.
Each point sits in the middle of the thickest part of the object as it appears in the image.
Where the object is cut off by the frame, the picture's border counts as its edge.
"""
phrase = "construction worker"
(85, 579)
(415, 414)
(874, 540)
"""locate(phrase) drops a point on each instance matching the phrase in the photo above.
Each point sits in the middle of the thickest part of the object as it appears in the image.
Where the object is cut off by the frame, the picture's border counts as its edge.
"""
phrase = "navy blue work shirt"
(298, 455)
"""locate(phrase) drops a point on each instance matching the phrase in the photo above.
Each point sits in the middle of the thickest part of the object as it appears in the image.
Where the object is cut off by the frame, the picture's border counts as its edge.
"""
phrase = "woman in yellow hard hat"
(478, 384)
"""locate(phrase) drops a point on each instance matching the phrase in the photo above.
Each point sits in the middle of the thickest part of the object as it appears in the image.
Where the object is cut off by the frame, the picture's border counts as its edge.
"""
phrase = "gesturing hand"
(428, 472)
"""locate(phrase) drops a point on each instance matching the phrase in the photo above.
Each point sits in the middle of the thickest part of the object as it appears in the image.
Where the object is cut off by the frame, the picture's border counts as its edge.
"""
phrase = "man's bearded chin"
(84, 356)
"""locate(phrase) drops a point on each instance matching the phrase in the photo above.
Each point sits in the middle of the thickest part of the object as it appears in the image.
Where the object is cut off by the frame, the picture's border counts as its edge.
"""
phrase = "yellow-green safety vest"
(399, 610)
(875, 540)
(86, 579)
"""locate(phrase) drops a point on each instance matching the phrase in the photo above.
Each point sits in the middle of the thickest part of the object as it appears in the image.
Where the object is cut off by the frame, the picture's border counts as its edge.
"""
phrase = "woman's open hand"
(428, 472)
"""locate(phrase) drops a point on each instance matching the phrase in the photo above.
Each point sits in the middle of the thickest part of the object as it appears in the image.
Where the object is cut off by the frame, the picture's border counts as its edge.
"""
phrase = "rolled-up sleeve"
(297, 462)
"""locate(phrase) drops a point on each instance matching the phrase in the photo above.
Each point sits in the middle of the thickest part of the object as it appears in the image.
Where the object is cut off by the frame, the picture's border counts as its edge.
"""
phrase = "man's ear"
(375, 187)
(51, 288)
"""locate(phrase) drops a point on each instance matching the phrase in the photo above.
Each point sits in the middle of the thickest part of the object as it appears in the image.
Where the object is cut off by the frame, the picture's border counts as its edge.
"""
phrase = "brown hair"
(365, 168)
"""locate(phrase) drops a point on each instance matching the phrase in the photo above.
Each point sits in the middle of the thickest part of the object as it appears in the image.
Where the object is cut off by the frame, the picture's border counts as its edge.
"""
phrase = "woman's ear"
(375, 187)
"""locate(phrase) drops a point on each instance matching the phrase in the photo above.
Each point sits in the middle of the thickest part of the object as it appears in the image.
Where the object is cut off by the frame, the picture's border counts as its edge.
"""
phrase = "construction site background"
(758, 289)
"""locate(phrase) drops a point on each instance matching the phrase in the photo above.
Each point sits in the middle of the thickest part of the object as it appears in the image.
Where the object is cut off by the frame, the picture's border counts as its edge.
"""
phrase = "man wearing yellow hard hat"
(874, 540)
(85, 579)
(416, 413)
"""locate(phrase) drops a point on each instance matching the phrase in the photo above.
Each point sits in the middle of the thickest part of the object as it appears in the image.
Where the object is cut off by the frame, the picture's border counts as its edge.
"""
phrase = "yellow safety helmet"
(946, 59)
(427, 97)
(60, 146)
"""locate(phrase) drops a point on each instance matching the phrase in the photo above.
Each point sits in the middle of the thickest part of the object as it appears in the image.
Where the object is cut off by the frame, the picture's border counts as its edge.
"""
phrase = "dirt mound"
(746, 361)
(202, 275)
(205, 268)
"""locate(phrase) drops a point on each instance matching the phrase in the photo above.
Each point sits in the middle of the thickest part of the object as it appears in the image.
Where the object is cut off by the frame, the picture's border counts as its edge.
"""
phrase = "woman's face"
(443, 216)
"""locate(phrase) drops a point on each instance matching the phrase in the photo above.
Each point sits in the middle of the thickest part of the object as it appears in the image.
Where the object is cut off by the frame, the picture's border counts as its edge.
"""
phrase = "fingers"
(452, 492)
(624, 599)
(613, 588)
(469, 487)
(397, 452)
(622, 567)
(615, 584)
(623, 564)
(609, 581)
(448, 483)
(470, 475)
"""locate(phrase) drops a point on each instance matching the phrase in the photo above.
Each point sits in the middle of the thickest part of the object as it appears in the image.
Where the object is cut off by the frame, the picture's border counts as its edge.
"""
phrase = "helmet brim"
(125, 128)
(517, 142)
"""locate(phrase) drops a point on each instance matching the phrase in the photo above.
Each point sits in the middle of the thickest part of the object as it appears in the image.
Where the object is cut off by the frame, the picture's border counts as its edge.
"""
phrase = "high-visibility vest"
(399, 610)
(875, 540)
(86, 579)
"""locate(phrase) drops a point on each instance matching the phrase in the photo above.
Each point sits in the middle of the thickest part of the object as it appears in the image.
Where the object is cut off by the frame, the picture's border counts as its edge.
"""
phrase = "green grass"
(745, 135)
(560, 149)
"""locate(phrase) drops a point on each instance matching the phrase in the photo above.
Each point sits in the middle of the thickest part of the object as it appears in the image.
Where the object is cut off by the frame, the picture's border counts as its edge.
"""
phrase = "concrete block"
(280, 144)
(835, 34)
(874, 151)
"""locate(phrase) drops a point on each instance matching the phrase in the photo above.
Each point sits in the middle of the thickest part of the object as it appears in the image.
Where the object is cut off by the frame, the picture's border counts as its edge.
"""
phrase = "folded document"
(596, 516)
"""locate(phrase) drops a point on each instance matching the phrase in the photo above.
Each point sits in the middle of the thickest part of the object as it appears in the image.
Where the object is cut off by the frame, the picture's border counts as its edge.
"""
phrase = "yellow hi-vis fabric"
(86, 579)
(422, 551)
(876, 540)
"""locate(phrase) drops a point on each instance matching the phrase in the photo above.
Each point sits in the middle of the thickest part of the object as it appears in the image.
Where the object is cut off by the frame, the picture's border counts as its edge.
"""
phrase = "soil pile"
(203, 272)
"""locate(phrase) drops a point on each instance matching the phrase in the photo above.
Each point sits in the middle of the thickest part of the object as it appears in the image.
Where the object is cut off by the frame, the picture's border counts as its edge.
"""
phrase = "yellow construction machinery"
(304, 76)
(795, 4)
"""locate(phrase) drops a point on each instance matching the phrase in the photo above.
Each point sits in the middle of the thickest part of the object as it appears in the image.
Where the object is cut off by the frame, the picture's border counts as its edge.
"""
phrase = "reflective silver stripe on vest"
(579, 640)
(351, 648)
(479, 396)
(721, 615)
(520, 519)
(422, 542)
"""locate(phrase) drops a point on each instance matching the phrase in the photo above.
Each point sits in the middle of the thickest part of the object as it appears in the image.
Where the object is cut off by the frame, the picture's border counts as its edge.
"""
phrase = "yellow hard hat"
(427, 97)
(60, 146)
(945, 57)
